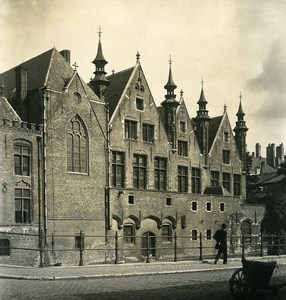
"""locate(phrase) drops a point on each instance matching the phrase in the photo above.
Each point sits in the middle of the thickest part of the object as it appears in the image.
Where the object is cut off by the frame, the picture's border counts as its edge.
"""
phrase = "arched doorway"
(148, 244)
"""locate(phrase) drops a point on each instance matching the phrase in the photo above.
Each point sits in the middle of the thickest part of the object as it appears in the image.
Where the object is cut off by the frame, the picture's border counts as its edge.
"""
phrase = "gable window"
(130, 130)
(208, 234)
(118, 166)
(226, 181)
(22, 159)
(226, 137)
(148, 133)
(214, 178)
(77, 146)
(183, 127)
(196, 180)
(209, 206)
(194, 234)
(4, 247)
(140, 171)
(182, 148)
(129, 233)
(236, 185)
(194, 205)
(226, 156)
(139, 104)
(160, 175)
(22, 205)
(167, 233)
(221, 206)
(182, 179)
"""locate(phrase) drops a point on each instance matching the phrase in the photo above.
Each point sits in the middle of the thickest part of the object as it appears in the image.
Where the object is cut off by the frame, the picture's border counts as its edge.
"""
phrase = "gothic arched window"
(77, 146)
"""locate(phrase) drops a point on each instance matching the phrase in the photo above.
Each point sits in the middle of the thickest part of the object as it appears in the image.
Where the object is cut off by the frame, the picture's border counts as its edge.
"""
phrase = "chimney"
(66, 55)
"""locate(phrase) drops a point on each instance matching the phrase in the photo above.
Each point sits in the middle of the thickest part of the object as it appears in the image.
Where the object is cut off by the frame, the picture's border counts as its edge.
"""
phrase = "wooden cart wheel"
(237, 284)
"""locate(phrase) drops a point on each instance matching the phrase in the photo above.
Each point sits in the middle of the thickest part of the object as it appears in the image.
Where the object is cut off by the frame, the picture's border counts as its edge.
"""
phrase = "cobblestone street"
(193, 286)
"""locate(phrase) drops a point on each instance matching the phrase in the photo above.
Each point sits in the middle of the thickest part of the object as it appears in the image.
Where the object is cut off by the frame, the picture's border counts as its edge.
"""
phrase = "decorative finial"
(202, 82)
(75, 66)
(224, 107)
(181, 93)
(240, 96)
(99, 32)
(113, 71)
(137, 56)
(170, 60)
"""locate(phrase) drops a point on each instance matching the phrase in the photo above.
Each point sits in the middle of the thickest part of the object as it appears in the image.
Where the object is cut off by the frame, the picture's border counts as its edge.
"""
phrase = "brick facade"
(141, 173)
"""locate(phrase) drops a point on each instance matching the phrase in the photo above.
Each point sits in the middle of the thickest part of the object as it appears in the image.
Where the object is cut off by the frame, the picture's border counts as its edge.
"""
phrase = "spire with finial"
(202, 112)
(99, 82)
(240, 133)
(240, 113)
(99, 59)
(170, 85)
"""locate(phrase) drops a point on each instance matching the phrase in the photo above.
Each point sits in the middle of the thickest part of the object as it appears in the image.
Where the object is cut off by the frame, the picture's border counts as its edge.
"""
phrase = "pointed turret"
(240, 134)
(202, 121)
(170, 105)
(99, 82)
(202, 113)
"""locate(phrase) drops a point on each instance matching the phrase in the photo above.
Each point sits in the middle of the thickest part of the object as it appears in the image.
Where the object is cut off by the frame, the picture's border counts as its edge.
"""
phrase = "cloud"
(270, 84)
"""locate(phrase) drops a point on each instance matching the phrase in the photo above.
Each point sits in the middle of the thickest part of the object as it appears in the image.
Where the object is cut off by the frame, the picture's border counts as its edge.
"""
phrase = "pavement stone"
(120, 270)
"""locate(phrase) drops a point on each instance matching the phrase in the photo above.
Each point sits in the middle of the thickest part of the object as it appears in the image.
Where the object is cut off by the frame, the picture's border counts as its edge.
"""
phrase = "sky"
(235, 46)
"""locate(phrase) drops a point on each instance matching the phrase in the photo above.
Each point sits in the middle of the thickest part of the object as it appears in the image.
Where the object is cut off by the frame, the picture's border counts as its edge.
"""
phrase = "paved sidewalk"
(128, 269)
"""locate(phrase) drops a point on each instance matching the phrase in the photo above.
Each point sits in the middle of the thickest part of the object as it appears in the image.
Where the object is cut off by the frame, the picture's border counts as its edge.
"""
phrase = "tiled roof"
(37, 68)
(6, 111)
(118, 82)
(213, 129)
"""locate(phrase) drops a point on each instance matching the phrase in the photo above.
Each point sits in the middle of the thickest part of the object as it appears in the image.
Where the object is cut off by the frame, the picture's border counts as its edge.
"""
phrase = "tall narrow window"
(22, 205)
(22, 159)
(226, 181)
(77, 146)
(130, 130)
(129, 233)
(214, 178)
(182, 148)
(160, 175)
(148, 133)
(140, 171)
(226, 156)
(166, 233)
(236, 185)
(196, 180)
(118, 169)
(194, 234)
(183, 126)
(182, 179)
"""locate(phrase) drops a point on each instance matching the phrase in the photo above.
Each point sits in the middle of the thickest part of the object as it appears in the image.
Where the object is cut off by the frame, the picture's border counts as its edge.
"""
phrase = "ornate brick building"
(103, 159)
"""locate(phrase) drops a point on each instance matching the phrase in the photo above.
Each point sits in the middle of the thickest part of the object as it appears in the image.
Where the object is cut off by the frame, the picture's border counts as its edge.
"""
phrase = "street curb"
(84, 277)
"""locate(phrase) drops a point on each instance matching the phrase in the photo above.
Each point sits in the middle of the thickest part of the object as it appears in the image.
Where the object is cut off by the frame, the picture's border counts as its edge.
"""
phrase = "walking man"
(221, 243)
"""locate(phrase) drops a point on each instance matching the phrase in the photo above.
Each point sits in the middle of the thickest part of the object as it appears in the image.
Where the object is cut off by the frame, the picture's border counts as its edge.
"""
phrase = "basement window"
(4, 247)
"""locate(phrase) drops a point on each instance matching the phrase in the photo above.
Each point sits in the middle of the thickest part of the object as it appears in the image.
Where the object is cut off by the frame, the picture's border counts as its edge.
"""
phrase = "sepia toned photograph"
(142, 149)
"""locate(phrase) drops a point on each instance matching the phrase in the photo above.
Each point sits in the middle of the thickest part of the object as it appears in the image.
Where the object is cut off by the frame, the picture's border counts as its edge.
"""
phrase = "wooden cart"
(253, 275)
